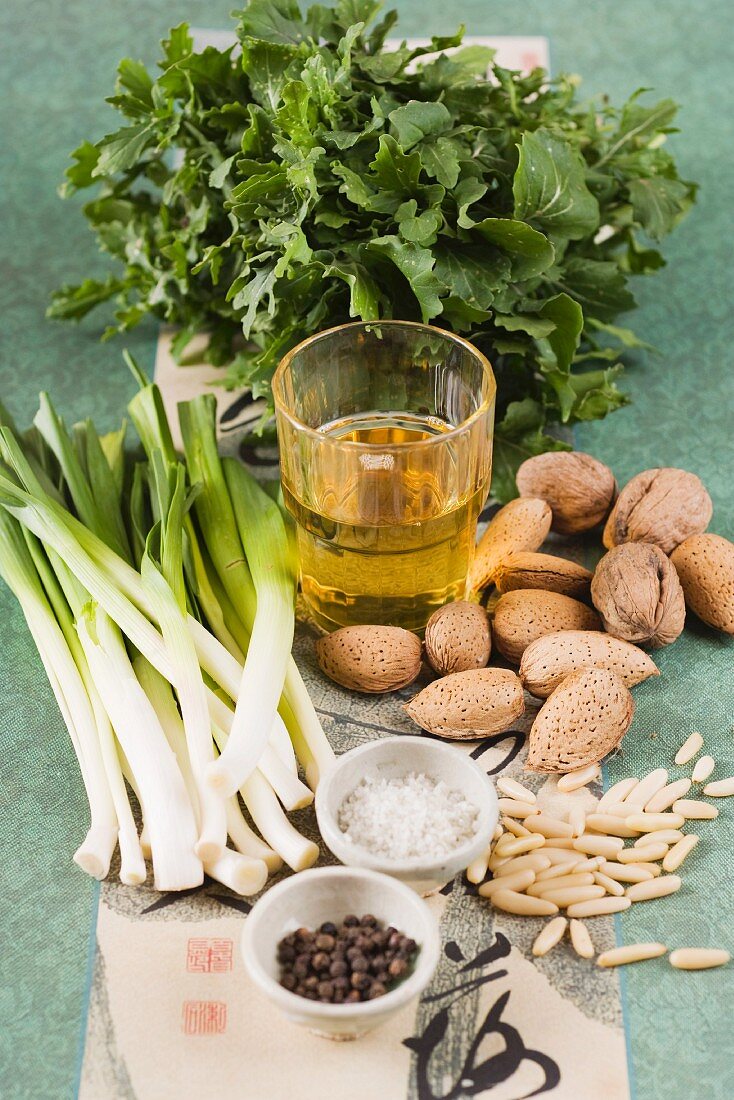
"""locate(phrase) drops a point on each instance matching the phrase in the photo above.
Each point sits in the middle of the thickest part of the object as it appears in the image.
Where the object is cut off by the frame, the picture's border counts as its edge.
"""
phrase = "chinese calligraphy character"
(204, 1017)
(209, 956)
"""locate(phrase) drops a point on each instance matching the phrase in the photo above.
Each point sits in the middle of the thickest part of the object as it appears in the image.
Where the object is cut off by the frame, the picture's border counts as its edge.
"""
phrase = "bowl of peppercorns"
(340, 950)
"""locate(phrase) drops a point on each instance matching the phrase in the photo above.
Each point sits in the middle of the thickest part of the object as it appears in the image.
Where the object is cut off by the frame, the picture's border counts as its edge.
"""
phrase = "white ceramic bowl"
(330, 893)
(395, 756)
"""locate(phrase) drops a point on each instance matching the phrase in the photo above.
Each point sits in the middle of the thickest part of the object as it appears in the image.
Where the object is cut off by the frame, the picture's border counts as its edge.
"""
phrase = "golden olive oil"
(388, 536)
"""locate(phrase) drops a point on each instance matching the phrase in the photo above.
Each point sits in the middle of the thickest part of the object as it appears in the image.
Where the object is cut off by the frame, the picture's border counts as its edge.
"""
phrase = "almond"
(579, 489)
(523, 616)
(552, 574)
(705, 567)
(638, 595)
(550, 659)
(457, 638)
(468, 705)
(523, 524)
(586, 717)
(663, 506)
(370, 658)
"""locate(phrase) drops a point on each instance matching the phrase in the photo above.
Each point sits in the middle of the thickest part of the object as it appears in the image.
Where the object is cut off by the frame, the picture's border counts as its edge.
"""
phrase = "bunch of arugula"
(310, 176)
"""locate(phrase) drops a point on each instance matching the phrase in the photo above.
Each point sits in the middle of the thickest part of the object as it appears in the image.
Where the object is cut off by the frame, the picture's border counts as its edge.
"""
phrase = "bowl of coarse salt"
(409, 807)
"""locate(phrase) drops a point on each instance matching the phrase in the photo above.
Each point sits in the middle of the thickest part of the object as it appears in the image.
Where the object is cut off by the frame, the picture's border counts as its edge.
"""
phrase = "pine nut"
(535, 861)
(592, 864)
(522, 905)
(559, 870)
(561, 842)
(539, 889)
(574, 895)
(646, 788)
(495, 862)
(617, 809)
(549, 826)
(692, 810)
(625, 872)
(689, 748)
(698, 958)
(549, 936)
(678, 852)
(518, 845)
(721, 788)
(665, 798)
(704, 766)
(515, 790)
(572, 781)
(610, 885)
(581, 939)
(512, 807)
(515, 827)
(498, 831)
(642, 855)
(649, 823)
(658, 888)
(654, 868)
(606, 846)
(560, 855)
(599, 907)
(477, 869)
(519, 881)
(617, 792)
(662, 836)
(607, 823)
(631, 953)
(577, 820)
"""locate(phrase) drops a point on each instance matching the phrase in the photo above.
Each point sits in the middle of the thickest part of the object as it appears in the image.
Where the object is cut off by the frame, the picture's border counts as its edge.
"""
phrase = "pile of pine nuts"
(541, 864)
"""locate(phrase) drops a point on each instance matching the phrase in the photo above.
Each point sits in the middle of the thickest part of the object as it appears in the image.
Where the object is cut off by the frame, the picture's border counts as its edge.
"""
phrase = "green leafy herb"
(311, 176)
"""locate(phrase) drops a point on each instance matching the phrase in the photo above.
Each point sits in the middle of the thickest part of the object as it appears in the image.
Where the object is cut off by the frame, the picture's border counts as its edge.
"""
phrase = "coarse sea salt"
(407, 816)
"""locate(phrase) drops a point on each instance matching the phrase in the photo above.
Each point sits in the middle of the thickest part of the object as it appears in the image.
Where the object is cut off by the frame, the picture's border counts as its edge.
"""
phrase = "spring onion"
(165, 803)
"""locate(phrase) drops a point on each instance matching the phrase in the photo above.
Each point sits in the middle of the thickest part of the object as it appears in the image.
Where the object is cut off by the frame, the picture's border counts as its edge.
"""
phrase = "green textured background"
(58, 64)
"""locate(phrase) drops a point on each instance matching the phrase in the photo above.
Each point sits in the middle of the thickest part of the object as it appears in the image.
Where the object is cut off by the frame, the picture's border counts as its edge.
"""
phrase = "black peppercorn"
(343, 964)
(320, 961)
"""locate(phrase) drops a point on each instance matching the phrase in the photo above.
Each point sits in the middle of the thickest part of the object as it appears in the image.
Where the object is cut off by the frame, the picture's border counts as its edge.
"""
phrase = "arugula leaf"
(416, 264)
(416, 121)
(532, 253)
(659, 203)
(311, 175)
(550, 187)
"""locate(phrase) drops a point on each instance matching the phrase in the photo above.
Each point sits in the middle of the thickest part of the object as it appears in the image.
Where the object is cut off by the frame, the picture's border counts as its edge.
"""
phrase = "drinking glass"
(385, 433)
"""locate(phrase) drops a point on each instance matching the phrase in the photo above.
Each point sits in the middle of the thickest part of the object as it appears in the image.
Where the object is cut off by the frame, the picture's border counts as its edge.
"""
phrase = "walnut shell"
(467, 705)
(585, 718)
(526, 614)
(638, 595)
(370, 658)
(457, 638)
(663, 506)
(705, 567)
(550, 659)
(523, 524)
(579, 489)
(544, 571)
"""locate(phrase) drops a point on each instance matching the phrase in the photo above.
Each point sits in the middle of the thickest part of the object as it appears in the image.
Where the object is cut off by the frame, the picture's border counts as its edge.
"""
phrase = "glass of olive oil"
(385, 432)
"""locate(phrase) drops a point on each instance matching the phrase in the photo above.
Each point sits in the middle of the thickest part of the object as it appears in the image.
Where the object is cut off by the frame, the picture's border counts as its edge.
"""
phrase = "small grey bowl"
(396, 756)
(330, 893)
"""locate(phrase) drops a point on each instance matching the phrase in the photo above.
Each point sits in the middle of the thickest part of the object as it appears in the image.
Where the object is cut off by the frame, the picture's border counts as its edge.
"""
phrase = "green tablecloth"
(58, 64)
